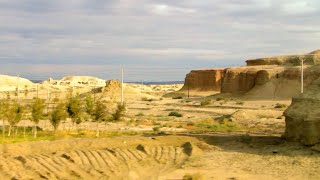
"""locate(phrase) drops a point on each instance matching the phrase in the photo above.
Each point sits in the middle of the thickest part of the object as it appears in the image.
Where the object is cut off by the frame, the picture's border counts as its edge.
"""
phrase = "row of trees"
(76, 108)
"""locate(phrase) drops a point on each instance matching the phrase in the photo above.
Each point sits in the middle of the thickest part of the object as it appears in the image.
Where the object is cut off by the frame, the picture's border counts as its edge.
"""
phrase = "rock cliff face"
(243, 79)
(269, 78)
(203, 80)
(267, 82)
(264, 78)
(303, 116)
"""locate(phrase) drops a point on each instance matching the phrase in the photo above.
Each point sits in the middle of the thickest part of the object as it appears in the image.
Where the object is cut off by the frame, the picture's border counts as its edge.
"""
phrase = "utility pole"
(94, 92)
(37, 91)
(17, 88)
(302, 62)
(48, 100)
(188, 88)
(122, 85)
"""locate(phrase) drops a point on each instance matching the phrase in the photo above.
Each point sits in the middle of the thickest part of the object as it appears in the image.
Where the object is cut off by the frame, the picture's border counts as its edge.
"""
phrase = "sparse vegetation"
(219, 99)
(279, 105)
(119, 113)
(178, 97)
(221, 126)
(240, 102)
(147, 99)
(176, 114)
(140, 114)
(205, 102)
(58, 115)
(195, 176)
(156, 128)
(247, 139)
(37, 112)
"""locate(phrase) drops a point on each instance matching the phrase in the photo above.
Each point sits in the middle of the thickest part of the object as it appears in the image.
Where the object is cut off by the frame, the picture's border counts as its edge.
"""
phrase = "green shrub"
(176, 114)
(223, 126)
(146, 99)
(240, 103)
(140, 114)
(156, 123)
(179, 126)
(190, 124)
(196, 176)
(246, 139)
(220, 99)
(156, 129)
(205, 102)
(278, 105)
(120, 112)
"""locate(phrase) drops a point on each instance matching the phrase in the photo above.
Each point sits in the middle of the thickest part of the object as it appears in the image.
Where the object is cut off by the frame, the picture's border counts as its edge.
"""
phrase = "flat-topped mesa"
(302, 116)
(203, 80)
(312, 58)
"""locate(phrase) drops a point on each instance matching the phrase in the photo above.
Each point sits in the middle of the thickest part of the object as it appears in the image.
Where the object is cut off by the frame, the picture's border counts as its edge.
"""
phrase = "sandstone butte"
(272, 78)
(265, 78)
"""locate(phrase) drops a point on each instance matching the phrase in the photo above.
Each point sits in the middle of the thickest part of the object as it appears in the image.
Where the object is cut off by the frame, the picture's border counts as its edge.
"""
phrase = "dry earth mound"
(144, 161)
(303, 116)
(9, 83)
(112, 91)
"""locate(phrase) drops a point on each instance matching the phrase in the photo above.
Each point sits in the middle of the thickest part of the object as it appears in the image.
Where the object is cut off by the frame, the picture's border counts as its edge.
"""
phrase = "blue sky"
(153, 40)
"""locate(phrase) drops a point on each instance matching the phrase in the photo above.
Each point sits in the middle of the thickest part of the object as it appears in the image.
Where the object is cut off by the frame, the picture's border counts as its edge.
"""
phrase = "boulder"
(303, 116)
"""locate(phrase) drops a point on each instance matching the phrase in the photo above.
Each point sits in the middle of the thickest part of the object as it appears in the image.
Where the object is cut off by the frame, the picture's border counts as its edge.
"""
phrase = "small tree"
(75, 110)
(4, 107)
(100, 113)
(58, 114)
(26, 91)
(90, 105)
(119, 113)
(14, 115)
(37, 107)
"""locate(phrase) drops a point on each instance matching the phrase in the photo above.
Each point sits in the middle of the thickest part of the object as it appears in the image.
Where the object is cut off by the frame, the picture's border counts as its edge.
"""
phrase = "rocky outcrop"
(267, 82)
(263, 78)
(303, 116)
(243, 79)
(76, 81)
(312, 58)
(203, 80)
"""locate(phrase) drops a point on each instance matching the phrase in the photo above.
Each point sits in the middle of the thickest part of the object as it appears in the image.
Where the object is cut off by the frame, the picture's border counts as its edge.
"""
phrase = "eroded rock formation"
(203, 80)
(76, 81)
(263, 78)
(303, 116)
(312, 58)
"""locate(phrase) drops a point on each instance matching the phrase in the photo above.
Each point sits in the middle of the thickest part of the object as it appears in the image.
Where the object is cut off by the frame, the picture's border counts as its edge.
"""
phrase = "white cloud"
(299, 7)
(164, 9)
(189, 34)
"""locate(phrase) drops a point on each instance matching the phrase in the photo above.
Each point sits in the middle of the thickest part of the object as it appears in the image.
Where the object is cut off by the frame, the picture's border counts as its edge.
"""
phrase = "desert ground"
(203, 136)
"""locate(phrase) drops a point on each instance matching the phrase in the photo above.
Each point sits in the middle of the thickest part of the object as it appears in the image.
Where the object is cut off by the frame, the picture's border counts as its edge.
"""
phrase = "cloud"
(174, 36)
(299, 7)
(164, 9)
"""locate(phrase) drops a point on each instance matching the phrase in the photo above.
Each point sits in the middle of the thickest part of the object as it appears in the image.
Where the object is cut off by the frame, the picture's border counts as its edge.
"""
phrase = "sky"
(153, 40)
